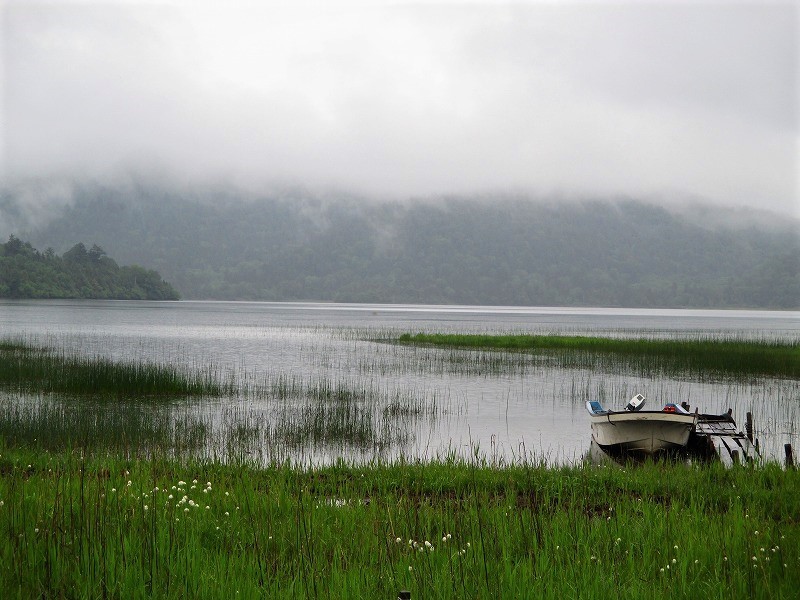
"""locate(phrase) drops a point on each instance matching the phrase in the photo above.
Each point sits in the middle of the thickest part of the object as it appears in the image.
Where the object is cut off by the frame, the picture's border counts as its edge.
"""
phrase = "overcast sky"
(664, 100)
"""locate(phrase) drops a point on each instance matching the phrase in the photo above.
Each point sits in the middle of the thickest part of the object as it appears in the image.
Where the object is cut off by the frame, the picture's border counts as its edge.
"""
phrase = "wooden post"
(787, 448)
(748, 427)
(404, 595)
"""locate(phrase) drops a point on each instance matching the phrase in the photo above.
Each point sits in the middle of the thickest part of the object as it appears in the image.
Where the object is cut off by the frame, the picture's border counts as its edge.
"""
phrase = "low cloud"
(412, 99)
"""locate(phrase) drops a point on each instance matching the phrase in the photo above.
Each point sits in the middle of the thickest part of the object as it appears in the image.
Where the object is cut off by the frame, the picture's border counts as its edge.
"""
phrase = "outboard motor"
(635, 403)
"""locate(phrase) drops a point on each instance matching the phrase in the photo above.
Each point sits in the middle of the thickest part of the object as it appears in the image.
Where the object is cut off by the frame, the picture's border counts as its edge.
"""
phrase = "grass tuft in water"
(27, 368)
(730, 357)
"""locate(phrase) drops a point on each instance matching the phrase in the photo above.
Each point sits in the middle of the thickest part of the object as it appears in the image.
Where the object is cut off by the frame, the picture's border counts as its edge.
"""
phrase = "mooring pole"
(748, 427)
(787, 448)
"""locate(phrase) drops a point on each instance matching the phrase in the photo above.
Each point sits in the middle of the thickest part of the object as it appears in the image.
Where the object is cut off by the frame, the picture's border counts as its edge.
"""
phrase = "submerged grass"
(109, 527)
(714, 356)
(29, 368)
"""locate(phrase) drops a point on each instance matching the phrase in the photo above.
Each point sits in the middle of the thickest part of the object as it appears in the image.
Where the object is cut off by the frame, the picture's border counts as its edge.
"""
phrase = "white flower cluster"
(414, 545)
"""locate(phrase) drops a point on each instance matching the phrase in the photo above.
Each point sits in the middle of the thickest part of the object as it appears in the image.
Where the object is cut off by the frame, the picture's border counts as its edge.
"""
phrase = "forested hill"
(507, 251)
(79, 273)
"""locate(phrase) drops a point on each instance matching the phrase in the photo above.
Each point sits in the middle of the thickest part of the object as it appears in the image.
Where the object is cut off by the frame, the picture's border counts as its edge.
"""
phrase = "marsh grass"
(699, 357)
(30, 368)
(112, 499)
(129, 428)
(110, 527)
(288, 417)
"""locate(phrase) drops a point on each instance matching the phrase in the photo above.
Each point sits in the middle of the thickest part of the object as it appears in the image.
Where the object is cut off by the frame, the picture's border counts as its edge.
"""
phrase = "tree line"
(78, 273)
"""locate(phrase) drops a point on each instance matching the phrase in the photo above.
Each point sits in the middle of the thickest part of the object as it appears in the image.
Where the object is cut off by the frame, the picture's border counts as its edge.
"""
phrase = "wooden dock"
(716, 436)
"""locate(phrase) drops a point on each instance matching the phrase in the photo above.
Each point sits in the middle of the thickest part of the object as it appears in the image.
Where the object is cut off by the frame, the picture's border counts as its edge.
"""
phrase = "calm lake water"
(420, 402)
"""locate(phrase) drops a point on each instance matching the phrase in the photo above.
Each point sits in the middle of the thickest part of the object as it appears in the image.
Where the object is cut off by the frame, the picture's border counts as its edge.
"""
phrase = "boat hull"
(645, 432)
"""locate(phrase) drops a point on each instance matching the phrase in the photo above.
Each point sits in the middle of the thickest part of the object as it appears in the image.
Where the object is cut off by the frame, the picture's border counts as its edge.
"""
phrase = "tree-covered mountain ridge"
(493, 250)
(79, 273)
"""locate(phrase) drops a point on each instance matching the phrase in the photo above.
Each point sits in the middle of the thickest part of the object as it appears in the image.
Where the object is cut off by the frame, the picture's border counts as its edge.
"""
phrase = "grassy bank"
(106, 527)
(28, 368)
(710, 356)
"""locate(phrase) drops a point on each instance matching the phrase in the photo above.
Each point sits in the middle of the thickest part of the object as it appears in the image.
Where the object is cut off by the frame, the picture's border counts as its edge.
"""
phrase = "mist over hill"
(222, 243)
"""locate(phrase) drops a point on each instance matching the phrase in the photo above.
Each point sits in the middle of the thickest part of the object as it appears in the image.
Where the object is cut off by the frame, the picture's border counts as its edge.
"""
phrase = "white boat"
(634, 430)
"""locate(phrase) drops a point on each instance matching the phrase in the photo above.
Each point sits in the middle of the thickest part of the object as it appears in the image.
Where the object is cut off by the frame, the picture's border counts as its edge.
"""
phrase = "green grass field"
(106, 527)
